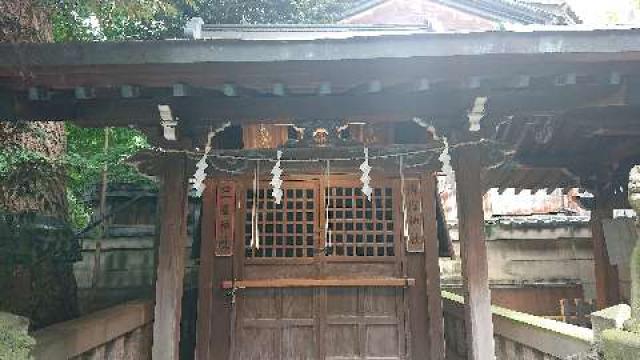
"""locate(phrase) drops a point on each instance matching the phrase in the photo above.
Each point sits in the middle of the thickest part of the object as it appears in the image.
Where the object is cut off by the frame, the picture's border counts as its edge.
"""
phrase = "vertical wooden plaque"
(225, 221)
(415, 241)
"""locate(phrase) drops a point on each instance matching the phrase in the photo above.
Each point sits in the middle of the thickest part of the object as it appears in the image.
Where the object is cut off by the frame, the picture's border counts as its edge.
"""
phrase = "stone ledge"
(75, 337)
(620, 345)
(609, 318)
(545, 335)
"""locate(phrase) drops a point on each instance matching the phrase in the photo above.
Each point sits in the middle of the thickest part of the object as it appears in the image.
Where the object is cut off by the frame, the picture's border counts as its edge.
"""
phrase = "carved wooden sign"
(415, 240)
(225, 219)
(261, 136)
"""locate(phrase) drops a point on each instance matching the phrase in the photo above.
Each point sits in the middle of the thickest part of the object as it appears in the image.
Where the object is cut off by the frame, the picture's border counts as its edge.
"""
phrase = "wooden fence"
(517, 335)
(120, 332)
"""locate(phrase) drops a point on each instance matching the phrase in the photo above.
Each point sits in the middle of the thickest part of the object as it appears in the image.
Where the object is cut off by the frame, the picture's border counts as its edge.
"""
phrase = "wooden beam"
(229, 90)
(432, 269)
(180, 89)
(239, 109)
(309, 283)
(171, 254)
(443, 104)
(477, 314)
(278, 89)
(206, 271)
(607, 282)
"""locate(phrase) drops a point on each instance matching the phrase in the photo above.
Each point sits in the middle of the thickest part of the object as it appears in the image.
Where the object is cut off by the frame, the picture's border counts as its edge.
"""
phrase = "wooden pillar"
(473, 251)
(607, 283)
(205, 274)
(432, 269)
(171, 254)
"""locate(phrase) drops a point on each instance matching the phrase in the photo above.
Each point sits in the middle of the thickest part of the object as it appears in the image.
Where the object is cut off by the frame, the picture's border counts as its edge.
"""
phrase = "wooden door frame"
(238, 259)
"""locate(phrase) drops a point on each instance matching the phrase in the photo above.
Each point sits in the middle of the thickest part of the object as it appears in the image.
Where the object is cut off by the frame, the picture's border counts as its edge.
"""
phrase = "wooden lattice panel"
(286, 230)
(359, 227)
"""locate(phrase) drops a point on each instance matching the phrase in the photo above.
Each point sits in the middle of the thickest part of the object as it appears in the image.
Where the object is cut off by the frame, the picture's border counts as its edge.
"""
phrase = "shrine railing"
(120, 332)
(517, 335)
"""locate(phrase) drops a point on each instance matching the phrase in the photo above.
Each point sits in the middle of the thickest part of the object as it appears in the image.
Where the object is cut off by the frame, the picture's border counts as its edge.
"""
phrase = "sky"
(600, 12)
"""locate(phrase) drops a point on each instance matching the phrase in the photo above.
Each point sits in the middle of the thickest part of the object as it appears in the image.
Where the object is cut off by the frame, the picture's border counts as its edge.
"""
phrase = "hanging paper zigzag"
(365, 178)
(197, 181)
(255, 230)
(276, 182)
(200, 175)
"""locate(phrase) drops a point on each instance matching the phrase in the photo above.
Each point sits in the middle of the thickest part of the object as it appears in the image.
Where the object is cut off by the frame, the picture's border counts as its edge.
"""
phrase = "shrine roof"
(257, 44)
(561, 102)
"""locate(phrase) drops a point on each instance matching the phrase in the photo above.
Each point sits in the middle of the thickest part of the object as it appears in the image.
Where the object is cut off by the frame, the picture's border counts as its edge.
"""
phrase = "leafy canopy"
(112, 20)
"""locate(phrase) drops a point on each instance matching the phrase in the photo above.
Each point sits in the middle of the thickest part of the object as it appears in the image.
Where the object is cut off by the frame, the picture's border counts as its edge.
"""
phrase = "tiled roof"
(514, 11)
(358, 6)
(539, 220)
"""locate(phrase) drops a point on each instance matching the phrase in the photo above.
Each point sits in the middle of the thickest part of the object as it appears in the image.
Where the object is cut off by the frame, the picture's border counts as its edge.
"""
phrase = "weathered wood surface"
(171, 257)
(432, 269)
(205, 274)
(214, 304)
(607, 281)
(443, 105)
(478, 323)
(264, 136)
(310, 283)
(353, 320)
(123, 329)
(418, 317)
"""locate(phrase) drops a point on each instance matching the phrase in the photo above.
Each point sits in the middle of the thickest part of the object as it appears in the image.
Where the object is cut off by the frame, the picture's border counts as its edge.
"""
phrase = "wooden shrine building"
(329, 273)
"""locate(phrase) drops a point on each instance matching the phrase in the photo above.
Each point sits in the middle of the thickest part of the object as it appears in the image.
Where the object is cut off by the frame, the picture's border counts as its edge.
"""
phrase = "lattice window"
(286, 230)
(359, 227)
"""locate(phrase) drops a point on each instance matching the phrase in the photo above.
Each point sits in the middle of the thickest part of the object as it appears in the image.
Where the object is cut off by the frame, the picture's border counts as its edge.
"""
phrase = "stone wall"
(533, 265)
(126, 268)
(121, 265)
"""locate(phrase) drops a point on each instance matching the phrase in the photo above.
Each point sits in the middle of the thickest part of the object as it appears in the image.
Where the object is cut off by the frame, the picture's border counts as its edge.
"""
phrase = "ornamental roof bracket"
(476, 113)
(168, 122)
(193, 28)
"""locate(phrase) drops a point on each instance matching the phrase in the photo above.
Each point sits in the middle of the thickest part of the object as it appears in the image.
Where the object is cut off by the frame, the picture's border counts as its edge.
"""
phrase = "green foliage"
(91, 20)
(12, 158)
(99, 20)
(27, 238)
(30, 244)
(15, 342)
(265, 11)
(86, 159)
(36, 278)
(108, 20)
(84, 162)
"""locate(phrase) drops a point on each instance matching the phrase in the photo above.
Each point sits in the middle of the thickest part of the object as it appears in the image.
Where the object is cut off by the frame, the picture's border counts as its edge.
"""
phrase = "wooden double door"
(320, 231)
(321, 323)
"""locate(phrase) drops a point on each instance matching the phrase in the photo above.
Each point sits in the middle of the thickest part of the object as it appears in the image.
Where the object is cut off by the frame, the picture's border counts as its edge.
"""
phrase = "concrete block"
(612, 317)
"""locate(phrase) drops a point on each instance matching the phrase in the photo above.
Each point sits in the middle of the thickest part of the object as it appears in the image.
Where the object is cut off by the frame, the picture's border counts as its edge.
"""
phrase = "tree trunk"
(36, 282)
